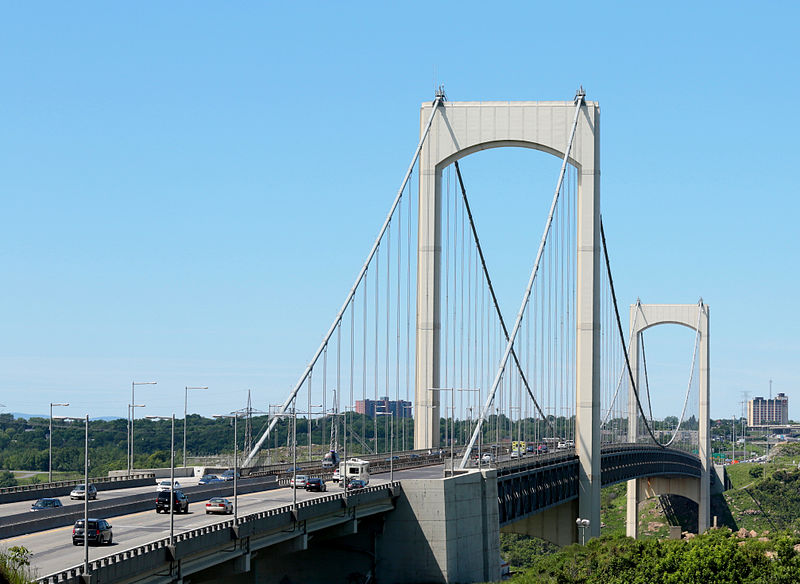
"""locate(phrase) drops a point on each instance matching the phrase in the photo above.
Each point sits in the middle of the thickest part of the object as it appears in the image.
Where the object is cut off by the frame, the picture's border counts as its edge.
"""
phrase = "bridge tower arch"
(459, 129)
(695, 317)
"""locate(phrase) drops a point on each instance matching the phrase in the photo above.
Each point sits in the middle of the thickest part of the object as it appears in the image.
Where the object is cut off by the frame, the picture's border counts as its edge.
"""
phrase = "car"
(561, 445)
(164, 486)
(79, 492)
(315, 484)
(336, 476)
(180, 502)
(209, 479)
(219, 505)
(414, 456)
(293, 469)
(99, 532)
(515, 454)
(228, 475)
(487, 458)
(541, 449)
(356, 484)
(46, 503)
(298, 481)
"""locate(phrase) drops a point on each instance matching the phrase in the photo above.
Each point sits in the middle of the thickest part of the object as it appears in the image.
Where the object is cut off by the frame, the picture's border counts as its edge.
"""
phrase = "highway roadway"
(107, 495)
(53, 550)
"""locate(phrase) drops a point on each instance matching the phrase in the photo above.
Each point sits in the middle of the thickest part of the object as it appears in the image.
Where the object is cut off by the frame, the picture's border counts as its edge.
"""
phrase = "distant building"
(400, 408)
(768, 412)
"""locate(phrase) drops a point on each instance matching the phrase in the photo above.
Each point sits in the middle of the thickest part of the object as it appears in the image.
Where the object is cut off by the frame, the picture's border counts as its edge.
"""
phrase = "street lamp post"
(582, 525)
(50, 437)
(86, 488)
(391, 442)
(171, 475)
(235, 464)
(453, 408)
(132, 416)
(185, 404)
(130, 444)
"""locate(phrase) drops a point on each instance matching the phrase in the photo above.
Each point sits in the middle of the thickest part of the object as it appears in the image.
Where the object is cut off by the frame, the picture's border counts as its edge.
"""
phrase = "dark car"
(179, 504)
(315, 484)
(356, 484)
(99, 532)
(228, 475)
(210, 479)
(541, 449)
(46, 503)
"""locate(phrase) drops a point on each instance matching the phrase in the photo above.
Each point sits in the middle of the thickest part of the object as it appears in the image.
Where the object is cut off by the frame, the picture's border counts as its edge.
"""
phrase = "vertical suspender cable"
(526, 296)
(491, 287)
(436, 103)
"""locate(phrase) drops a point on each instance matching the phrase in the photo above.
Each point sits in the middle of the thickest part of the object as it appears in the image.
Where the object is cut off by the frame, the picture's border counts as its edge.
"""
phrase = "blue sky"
(188, 189)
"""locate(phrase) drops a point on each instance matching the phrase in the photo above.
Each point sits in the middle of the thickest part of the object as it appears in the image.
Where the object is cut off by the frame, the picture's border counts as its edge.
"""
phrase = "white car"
(79, 492)
(298, 481)
(164, 486)
(336, 476)
(487, 458)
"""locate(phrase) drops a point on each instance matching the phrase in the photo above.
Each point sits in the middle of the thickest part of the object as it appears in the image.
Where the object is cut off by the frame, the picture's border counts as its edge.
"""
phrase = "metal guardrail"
(72, 483)
(62, 488)
(73, 575)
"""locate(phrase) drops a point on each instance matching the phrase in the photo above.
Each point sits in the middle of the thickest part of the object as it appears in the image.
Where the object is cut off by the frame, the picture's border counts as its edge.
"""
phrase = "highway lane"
(102, 495)
(53, 550)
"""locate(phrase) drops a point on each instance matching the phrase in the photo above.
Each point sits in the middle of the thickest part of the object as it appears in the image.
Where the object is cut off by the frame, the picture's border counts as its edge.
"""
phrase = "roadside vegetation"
(718, 556)
(15, 566)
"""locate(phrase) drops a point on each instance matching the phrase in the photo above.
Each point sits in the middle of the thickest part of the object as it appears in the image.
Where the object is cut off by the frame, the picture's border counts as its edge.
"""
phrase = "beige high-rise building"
(768, 412)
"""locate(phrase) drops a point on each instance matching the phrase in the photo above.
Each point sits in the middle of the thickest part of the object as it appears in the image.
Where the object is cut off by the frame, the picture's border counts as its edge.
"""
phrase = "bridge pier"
(442, 531)
(556, 524)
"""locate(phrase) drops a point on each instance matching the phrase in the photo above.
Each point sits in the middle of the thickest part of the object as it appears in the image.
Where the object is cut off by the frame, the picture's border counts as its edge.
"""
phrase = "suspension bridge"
(421, 360)
(421, 335)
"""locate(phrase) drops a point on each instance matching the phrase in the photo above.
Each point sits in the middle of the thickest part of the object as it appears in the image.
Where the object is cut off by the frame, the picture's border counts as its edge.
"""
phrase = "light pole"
(171, 475)
(132, 416)
(86, 491)
(453, 408)
(185, 404)
(235, 464)
(391, 443)
(50, 464)
(582, 525)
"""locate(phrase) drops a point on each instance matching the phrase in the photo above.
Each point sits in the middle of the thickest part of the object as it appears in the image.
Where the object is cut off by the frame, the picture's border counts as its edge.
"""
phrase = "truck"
(354, 468)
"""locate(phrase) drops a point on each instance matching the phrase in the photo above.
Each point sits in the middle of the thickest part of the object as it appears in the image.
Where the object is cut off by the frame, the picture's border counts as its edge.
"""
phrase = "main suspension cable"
(622, 336)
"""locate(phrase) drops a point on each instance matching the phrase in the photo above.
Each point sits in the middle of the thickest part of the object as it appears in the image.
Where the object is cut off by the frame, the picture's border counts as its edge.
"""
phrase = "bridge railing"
(147, 557)
(61, 488)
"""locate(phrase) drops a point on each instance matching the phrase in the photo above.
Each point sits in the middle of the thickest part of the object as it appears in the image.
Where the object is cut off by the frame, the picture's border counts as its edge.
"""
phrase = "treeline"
(24, 443)
(717, 556)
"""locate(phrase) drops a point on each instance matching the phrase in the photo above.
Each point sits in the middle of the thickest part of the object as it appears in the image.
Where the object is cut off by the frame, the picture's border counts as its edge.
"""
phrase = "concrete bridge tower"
(460, 129)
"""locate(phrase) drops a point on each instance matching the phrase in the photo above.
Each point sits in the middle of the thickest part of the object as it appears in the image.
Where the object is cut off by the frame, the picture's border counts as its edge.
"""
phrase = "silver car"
(79, 492)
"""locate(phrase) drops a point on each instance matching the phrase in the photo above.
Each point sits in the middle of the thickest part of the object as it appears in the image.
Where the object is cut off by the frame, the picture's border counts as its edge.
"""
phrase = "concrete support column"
(588, 337)
(704, 436)
(632, 514)
(429, 259)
